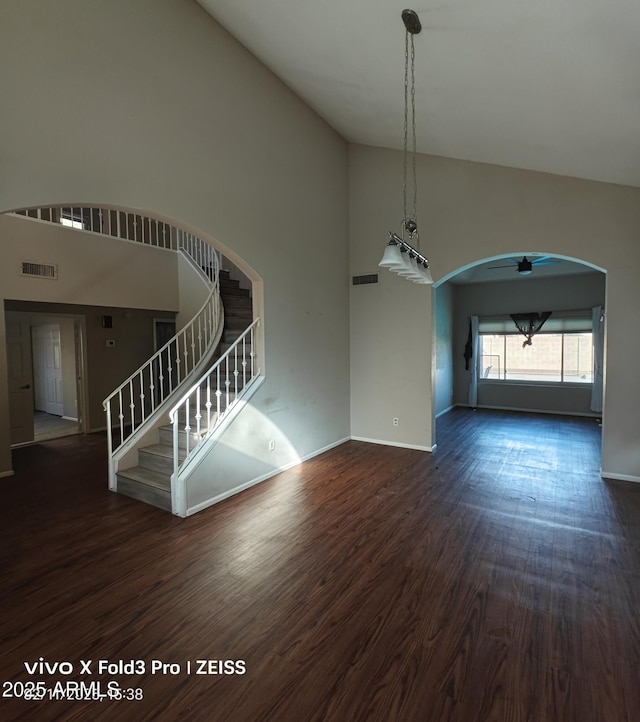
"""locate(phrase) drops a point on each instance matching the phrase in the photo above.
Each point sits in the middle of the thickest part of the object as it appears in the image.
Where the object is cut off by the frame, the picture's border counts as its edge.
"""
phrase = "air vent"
(361, 280)
(39, 270)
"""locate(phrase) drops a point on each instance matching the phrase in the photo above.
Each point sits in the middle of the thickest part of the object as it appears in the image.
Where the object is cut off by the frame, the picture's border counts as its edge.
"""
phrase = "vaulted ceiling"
(546, 85)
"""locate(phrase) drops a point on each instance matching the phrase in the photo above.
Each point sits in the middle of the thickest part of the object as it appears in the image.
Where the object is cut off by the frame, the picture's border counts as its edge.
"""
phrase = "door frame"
(35, 318)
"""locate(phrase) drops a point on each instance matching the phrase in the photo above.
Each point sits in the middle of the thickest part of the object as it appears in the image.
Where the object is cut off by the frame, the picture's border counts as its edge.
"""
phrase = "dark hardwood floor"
(496, 579)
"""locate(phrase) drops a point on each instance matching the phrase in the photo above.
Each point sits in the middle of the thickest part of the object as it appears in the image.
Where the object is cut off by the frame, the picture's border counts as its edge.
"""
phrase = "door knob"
(25, 387)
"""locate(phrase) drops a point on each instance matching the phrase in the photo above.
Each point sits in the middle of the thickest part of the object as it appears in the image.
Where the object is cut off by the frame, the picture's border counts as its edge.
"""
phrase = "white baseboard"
(274, 472)
(619, 477)
(5, 474)
(399, 444)
(70, 418)
(322, 450)
(232, 492)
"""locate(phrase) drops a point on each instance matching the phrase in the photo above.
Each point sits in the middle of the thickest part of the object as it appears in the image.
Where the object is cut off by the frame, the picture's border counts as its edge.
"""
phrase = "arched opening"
(552, 375)
(102, 302)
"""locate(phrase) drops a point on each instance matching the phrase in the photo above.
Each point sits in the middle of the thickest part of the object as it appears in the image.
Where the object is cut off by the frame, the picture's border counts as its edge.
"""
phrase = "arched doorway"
(66, 280)
(493, 289)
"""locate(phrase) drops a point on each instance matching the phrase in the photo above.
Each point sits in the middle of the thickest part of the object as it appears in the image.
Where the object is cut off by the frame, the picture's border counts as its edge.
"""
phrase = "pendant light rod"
(400, 256)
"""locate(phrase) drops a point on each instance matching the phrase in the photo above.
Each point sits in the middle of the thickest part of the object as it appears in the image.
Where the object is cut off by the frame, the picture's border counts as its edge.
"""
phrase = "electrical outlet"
(272, 445)
(396, 421)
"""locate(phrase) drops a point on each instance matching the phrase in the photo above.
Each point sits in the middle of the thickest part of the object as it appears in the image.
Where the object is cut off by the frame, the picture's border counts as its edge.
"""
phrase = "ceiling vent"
(39, 270)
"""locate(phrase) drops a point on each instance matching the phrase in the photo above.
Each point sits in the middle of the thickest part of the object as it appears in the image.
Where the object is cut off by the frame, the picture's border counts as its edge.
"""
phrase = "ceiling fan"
(524, 266)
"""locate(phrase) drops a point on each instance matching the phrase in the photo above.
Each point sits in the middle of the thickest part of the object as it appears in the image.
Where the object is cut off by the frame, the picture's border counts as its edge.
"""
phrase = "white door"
(20, 389)
(47, 368)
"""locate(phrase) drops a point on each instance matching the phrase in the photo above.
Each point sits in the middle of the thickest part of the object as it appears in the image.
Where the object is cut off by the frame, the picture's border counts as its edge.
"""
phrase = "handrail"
(141, 399)
(114, 222)
(136, 399)
(160, 375)
(197, 404)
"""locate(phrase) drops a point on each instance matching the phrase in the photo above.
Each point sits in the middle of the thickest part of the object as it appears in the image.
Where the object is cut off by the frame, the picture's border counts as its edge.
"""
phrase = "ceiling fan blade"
(510, 265)
(545, 263)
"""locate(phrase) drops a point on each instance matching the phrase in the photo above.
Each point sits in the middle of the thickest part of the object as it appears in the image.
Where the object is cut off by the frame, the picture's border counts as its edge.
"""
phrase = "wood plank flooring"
(48, 426)
(497, 579)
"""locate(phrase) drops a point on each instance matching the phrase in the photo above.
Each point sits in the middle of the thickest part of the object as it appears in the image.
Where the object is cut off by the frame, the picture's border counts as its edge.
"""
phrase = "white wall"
(467, 212)
(178, 119)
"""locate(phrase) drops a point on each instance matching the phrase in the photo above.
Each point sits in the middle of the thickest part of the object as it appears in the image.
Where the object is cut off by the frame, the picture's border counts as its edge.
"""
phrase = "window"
(552, 357)
(72, 222)
(72, 218)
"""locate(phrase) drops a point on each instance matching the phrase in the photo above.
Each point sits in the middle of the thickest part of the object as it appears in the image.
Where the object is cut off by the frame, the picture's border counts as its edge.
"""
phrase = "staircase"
(198, 378)
(150, 480)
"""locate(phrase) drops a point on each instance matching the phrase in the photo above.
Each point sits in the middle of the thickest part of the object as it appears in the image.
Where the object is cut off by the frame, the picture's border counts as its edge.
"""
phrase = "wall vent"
(39, 270)
(361, 280)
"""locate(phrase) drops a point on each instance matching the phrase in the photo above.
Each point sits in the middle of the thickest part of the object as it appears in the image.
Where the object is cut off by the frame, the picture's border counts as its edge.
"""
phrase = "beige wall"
(468, 212)
(445, 348)
(189, 125)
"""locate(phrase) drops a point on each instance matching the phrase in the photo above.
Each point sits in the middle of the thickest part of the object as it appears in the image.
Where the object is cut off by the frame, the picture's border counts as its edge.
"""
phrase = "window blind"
(559, 322)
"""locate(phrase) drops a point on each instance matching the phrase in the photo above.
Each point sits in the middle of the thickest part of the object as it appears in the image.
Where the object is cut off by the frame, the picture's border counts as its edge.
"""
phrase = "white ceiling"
(547, 85)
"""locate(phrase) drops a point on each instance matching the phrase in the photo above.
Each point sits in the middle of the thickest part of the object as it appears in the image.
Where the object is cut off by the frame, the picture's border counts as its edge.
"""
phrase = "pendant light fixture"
(400, 256)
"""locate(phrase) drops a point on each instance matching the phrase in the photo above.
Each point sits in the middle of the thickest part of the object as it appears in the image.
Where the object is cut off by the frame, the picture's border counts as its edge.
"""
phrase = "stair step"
(166, 433)
(146, 476)
(230, 338)
(236, 323)
(227, 289)
(236, 301)
(229, 335)
(158, 458)
(244, 313)
(226, 345)
(147, 486)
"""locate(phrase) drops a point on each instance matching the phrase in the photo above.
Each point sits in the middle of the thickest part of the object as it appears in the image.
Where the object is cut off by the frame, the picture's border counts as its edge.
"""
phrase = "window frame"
(533, 381)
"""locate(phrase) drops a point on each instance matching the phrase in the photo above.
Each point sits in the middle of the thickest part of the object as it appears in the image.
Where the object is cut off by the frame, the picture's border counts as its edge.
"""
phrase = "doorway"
(46, 375)
(492, 290)
(48, 392)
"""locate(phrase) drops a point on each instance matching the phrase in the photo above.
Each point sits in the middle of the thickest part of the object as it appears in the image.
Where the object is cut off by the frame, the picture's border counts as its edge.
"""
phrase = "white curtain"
(597, 318)
(473, 367)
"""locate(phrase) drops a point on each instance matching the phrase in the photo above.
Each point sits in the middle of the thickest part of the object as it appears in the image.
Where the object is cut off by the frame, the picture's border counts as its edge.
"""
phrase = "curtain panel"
(473, 366)
(597, 390)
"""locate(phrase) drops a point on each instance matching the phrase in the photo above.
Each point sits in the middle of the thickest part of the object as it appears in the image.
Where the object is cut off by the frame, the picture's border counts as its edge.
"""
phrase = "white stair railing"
(209, 400)
(113, 222)
(138, 397)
